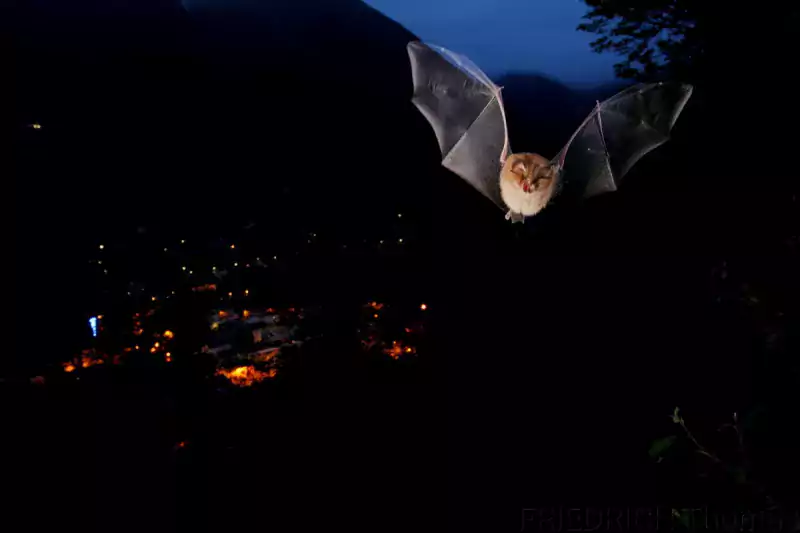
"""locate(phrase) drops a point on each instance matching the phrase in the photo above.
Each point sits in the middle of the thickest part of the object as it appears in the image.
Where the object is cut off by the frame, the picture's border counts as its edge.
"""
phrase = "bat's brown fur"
(527, 182)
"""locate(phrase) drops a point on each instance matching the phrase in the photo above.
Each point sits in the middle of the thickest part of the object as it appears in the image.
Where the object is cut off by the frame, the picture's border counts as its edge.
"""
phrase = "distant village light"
(102, 246)
(183, 241)
(154, 298)
(399, 215)
(183, 268)
(247, 292)
(424, 307)
(36, 126)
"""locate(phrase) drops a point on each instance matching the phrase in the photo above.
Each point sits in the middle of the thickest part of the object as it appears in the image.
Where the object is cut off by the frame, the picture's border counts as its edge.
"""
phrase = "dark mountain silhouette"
(542, 112)
(195, 122)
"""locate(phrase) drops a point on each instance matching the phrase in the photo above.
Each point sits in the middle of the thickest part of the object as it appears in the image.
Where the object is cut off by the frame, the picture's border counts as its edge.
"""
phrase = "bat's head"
(527, 183)
(534, 172)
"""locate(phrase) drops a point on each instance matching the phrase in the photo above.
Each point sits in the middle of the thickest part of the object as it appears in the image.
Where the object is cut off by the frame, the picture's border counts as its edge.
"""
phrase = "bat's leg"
(514, 217)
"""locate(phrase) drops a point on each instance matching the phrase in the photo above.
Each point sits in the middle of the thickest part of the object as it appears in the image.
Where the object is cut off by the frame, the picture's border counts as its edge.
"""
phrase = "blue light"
(93, 325)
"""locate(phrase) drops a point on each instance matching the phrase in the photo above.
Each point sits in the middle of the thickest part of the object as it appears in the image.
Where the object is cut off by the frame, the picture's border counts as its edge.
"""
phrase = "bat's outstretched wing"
(466, 112)
(617, 133)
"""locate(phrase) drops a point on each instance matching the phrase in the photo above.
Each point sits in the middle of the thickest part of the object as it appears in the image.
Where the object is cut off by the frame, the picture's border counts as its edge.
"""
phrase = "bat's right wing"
(619, 132)
(466, 112)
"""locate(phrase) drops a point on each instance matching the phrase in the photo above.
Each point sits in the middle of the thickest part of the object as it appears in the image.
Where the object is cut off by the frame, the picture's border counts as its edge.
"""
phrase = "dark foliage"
(735, 135)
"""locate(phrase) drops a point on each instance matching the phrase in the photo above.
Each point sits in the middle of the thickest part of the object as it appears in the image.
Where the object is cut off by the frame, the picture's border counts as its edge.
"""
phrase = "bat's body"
(527, 182)
(465, 109)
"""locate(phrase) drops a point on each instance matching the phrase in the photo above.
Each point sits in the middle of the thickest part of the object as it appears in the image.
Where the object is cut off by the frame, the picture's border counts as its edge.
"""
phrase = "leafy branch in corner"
(660, 447)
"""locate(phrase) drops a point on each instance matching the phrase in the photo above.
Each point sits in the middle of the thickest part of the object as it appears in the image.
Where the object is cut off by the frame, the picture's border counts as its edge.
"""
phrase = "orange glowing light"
(99, 317)
(168, 357)
(204, 288)
(424, 307)
(247, 292)
(246, 376)
(87, 359)
(375, 315)
(246, 313)
(156, 345)
(153, 349)
(168, 334)
(233, 246)
(394, 352)
(230, 295)
(136, 347)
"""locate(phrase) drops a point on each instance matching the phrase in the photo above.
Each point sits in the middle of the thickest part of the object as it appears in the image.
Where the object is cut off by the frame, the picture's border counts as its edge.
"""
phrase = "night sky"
(508, 35)
(500, 35)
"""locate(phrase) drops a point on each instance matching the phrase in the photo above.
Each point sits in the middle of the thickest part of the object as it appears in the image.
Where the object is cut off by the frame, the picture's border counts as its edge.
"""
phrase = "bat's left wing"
(466, 112)
(617, 133)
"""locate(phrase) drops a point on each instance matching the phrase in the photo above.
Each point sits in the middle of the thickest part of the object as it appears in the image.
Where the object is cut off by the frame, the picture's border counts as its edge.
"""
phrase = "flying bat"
(465, 109)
